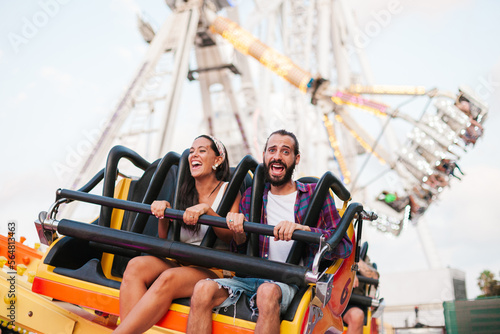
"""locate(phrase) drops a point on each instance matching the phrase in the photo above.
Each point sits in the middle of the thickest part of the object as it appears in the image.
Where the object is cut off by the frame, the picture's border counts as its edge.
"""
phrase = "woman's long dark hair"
(188, 195)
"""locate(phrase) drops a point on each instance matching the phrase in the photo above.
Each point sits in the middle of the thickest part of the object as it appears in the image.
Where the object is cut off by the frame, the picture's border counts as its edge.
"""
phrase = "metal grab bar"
(310, 237)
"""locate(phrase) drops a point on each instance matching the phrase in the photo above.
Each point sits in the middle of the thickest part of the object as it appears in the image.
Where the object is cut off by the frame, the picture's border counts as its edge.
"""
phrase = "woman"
(149, 283)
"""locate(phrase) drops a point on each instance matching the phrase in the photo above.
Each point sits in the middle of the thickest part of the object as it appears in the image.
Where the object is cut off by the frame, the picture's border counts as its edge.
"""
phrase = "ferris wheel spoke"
(334, 143)
(363, 137)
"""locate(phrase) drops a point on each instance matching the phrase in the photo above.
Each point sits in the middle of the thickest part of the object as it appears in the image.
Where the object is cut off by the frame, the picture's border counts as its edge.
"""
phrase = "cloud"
(435, 8)
(125, 5)
(464, 218)
(54, 74)
(19, 98)
(62, 80)
(364, 9)
(124, 53)
(461, 225)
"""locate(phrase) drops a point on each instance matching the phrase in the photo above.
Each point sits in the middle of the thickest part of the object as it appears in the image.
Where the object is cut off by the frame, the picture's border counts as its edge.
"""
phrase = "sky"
(65, 64)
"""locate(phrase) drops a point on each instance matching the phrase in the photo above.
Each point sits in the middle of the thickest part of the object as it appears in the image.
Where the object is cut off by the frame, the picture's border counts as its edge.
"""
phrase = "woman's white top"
(195, 238)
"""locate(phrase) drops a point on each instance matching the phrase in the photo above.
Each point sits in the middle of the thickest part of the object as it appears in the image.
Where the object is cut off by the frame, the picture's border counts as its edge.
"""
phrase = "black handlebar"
(93, 182)
(326, 182)
(154, 188)
(368, 280)
(110, 202)
(361, 300)
(118, 152)
(344, 224)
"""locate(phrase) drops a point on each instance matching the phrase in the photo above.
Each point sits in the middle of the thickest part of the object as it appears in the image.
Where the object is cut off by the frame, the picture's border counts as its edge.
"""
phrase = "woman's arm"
(192, 214)
(163, 225)
(158, 209)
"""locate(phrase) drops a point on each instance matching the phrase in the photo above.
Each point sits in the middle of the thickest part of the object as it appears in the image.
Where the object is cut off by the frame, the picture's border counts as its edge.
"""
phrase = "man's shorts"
(238, 286)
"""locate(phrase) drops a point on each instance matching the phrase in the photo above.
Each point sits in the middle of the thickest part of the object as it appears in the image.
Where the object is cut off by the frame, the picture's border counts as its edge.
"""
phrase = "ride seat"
(104, 265)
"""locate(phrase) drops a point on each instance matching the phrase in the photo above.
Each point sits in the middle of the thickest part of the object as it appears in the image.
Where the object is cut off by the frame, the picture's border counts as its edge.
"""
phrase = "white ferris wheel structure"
(294, 64)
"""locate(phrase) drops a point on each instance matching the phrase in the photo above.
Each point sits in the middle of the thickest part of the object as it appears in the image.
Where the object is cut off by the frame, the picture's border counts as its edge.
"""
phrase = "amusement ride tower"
(394, 158)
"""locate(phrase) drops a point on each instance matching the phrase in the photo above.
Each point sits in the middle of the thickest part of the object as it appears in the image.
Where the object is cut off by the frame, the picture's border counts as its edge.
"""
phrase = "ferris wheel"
(396, 148)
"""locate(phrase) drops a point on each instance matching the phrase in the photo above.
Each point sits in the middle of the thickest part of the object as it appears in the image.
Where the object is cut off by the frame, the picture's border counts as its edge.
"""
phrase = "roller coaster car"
(85, 266)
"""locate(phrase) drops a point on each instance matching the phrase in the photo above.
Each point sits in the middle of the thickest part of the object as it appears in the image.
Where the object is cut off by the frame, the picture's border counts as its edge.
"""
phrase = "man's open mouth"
(277, 168)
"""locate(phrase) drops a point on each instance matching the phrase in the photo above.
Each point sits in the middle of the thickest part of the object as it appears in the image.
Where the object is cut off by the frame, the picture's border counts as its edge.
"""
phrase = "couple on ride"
(150, 284)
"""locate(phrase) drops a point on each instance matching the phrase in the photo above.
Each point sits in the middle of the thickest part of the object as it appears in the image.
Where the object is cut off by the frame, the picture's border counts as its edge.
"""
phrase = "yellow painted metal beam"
(248, 44)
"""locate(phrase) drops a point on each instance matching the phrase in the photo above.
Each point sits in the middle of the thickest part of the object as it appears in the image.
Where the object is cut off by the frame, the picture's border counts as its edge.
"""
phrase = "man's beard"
(276, 182)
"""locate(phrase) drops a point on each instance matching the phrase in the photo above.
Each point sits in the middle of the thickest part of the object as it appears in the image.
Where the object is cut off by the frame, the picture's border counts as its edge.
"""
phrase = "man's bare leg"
(268, 303)
(206, 296)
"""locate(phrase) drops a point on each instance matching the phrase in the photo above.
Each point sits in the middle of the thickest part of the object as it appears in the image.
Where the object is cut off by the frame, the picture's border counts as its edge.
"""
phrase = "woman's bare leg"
(140, 273)
(173, 283)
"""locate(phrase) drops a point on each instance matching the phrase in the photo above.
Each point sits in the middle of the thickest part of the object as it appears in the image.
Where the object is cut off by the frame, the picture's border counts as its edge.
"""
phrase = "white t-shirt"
(188, 236)
(280, 208)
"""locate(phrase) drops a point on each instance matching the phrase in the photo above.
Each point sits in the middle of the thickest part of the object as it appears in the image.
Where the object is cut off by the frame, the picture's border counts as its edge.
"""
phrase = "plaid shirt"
(327, 223)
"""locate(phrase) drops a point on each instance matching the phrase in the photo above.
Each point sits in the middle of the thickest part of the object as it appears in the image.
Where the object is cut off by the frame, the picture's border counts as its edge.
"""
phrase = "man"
(354, 316)
(284, 206)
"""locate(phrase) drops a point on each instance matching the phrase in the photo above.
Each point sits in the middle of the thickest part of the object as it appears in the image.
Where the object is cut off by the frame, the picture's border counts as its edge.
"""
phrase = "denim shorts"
(237, 286)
